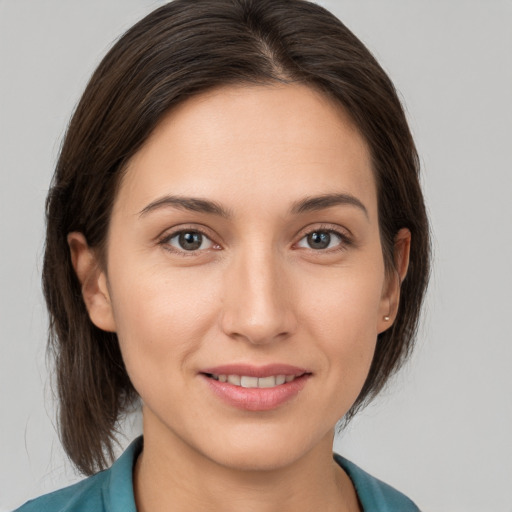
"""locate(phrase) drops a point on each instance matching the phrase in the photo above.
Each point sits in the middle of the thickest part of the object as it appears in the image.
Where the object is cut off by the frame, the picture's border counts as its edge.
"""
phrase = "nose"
(257, 302)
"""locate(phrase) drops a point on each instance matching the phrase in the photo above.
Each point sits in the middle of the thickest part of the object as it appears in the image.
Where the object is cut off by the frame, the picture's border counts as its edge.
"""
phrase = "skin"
(255, 292)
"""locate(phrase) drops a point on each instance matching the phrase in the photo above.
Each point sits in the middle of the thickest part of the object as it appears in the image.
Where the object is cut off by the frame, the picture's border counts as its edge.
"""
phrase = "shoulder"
(108, 491)
(375, 495)
(83, 495)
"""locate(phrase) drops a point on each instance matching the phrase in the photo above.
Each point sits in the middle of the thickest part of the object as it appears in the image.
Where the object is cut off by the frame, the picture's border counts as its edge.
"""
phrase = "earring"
(386, 318)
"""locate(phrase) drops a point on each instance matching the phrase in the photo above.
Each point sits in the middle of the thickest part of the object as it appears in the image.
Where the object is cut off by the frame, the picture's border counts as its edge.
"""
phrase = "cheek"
(161, 319)
(346, 303)
(343, 319)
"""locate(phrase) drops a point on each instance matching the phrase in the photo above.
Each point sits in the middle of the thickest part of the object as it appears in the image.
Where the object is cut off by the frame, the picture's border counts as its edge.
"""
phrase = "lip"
(256, 399)
(255, 371)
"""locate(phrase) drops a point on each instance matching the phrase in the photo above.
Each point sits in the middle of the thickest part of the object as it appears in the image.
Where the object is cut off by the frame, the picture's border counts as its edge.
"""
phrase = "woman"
(235, 235)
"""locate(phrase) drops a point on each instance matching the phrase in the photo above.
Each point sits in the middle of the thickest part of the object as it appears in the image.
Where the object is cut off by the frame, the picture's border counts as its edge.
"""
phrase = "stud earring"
(386, 318)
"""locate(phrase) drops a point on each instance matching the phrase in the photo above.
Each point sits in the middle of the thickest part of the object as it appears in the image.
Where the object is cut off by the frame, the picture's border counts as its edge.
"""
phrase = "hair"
(180, 50)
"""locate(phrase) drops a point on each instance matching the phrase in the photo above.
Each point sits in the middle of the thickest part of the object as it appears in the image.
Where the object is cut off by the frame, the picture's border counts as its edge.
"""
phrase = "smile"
(256, 388)
(247, 381)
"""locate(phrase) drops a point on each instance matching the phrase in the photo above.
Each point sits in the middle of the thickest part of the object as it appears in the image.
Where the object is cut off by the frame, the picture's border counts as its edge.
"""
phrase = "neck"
(171, 475)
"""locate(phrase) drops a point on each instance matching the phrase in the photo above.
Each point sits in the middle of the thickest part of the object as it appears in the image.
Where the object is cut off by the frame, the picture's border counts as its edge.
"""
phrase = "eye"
(321, 239)
(188, 240)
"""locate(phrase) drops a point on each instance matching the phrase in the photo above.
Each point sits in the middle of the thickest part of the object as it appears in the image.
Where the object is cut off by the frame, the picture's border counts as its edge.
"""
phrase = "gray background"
(441, 433)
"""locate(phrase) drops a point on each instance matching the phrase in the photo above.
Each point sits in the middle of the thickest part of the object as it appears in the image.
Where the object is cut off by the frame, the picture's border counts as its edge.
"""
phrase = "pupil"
(319, 240)
(190, 241)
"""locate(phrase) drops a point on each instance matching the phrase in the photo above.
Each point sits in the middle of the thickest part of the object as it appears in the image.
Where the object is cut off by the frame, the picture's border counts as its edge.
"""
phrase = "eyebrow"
(308, 204)
(315, 203)
(186, 203)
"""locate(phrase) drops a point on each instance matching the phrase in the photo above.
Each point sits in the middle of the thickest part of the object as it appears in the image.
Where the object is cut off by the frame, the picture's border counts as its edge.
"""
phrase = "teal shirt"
(112, 490)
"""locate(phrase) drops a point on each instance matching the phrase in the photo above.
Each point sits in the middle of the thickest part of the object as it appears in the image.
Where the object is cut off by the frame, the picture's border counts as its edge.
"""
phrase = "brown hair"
(177, 51)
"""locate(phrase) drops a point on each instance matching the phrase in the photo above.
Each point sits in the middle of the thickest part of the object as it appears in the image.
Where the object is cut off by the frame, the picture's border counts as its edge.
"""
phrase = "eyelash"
(164, 241)
(345, 241)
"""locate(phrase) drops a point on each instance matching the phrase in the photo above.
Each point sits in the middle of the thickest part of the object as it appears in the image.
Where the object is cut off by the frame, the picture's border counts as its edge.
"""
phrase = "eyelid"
(170, 233)
(347, 239)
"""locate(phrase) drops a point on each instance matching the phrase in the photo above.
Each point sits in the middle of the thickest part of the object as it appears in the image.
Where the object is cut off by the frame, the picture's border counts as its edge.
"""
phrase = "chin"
(265, 449)
(257, 459)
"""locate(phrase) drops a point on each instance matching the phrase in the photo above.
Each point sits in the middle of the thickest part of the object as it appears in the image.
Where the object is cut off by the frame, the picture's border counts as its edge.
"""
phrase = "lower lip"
(257, 399)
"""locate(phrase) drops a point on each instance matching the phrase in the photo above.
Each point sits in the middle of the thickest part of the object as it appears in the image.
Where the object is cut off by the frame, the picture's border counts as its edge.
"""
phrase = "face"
(244, 274)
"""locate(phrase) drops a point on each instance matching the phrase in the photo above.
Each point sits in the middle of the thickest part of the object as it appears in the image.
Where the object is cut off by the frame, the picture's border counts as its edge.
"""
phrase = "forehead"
(284, 140)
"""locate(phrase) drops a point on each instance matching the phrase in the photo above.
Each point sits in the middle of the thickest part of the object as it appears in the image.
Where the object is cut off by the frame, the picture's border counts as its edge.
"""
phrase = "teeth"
(249, 382)
(246, 381)
(234, 379)
(266, 382)
(280, 379)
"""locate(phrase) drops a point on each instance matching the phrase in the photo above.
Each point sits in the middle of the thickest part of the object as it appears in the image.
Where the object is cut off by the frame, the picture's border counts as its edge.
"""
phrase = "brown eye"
(189, 241)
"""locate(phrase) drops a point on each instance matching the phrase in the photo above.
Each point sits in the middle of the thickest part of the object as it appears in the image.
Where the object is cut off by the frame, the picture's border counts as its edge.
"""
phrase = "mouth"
(248, 381)
(253, 388)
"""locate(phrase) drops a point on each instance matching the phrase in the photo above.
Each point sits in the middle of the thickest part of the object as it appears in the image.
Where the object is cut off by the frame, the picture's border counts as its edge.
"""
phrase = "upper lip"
(255, 371)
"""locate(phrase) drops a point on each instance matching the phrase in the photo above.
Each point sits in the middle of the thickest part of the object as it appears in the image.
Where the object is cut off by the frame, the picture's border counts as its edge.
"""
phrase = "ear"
(391, 291)
(93, 282)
